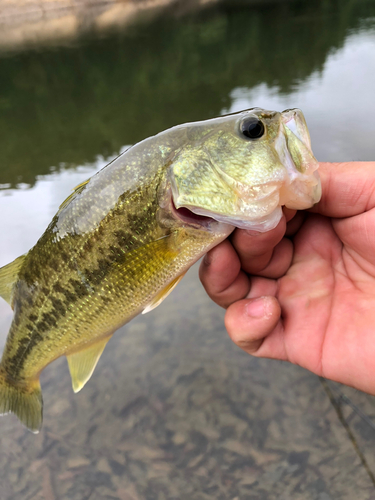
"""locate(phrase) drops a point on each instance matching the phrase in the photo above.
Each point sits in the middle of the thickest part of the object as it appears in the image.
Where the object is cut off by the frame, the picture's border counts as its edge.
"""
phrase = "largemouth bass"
(125, 237)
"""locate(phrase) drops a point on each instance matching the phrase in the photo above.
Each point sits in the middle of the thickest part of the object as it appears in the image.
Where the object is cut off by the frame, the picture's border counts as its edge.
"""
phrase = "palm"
(326, 298)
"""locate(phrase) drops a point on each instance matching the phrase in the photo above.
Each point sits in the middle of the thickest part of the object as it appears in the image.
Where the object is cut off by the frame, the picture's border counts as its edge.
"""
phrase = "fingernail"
(251, 232)
(256, 308)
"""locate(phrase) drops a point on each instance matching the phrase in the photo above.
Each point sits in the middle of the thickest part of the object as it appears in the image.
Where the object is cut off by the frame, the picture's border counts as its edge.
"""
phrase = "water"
(174, 410)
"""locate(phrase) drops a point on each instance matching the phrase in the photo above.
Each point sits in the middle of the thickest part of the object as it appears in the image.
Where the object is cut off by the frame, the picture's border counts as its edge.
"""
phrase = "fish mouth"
(261, 224)
(191, 218)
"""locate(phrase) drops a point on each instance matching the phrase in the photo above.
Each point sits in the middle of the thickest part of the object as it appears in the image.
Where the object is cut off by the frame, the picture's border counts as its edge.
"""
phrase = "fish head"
(240, 169)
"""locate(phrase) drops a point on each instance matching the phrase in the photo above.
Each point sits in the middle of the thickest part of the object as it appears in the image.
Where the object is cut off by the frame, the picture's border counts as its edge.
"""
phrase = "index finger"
(221, 275)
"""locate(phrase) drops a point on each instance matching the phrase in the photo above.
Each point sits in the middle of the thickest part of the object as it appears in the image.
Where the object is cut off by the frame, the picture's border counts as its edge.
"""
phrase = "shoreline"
(33, 23)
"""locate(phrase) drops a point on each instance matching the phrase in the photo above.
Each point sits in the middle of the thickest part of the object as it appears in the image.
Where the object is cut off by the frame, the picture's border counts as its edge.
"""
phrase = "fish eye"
(252, 127)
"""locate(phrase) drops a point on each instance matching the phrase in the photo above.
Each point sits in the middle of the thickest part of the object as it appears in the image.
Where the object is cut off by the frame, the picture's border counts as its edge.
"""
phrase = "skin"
(304, 292)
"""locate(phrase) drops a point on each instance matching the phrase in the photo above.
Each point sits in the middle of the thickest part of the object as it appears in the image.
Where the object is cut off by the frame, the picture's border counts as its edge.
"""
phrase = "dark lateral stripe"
(14, 364)
(79, 285)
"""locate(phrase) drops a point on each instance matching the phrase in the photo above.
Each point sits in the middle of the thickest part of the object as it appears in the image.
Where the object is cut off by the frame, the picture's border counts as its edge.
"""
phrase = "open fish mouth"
(189, 217)
(194, 217)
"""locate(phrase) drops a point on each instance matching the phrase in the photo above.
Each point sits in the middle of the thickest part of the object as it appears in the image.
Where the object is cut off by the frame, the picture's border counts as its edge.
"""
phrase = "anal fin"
(82, 363)
(158, 299)
(8, 277)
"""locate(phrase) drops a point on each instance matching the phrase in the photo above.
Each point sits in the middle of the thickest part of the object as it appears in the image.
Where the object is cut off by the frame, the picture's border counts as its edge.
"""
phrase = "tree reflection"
(69, 104)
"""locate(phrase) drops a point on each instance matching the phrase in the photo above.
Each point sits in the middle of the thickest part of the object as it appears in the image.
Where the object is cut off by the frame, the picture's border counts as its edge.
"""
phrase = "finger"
(255, 250)
(260, 287)
(289, 213)
(294, 225)
(280, 261)
(221, 275)
(250, 322)
(347, 188)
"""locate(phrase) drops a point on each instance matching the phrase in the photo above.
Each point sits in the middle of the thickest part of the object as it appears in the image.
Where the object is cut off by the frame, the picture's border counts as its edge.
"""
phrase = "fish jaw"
(198, 221)
(303, 188)
(262, 224)
(221, 223)
(295, 121)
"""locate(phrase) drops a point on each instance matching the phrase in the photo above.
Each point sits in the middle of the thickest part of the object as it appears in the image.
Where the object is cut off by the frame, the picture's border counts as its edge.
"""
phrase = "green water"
(67, 105)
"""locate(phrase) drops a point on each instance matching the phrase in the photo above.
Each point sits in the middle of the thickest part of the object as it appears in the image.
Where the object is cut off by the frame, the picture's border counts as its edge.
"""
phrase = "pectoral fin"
(8, 277)
(82, 363)
(158, 299)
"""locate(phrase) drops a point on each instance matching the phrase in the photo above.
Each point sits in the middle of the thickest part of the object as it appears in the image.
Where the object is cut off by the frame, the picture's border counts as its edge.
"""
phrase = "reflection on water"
(337, 101)
(70, 104)
(174, 411)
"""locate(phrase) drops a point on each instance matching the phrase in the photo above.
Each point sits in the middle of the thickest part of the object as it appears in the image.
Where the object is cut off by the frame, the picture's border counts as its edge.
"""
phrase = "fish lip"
(187, 216)
(295, 121)
(303, 189)
(226, 223)
(200, 222)
(260, 224)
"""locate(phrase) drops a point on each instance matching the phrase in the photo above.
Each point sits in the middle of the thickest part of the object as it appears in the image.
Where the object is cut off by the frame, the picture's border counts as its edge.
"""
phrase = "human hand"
(305, 291)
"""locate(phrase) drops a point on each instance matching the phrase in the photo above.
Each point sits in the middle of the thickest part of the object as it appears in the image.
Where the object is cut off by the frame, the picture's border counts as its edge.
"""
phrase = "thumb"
(250, 321)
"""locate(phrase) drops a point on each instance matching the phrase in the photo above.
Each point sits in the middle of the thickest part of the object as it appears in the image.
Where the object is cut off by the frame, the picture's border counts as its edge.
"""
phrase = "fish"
(124, 238)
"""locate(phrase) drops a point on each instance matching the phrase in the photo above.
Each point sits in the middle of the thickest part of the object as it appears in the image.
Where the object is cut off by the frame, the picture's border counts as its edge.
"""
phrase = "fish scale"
(124, 238)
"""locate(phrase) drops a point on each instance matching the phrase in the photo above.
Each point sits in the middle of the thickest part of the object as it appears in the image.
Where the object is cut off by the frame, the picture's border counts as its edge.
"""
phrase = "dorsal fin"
(8, 277)
(76, 190)
(158, 299)
(82, 363)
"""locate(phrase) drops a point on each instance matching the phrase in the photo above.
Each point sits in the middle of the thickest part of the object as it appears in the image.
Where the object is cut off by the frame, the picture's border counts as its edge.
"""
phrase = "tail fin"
(24, 400)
